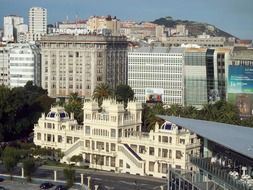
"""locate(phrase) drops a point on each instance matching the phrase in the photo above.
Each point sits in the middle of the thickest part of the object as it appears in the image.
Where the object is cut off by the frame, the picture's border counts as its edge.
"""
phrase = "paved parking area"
(14, 185)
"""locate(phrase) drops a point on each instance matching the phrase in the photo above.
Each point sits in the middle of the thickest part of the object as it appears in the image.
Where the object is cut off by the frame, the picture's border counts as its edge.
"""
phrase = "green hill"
(194, 28)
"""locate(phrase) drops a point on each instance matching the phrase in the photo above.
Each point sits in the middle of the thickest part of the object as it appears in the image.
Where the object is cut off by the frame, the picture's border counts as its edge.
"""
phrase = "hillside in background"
(194, 28)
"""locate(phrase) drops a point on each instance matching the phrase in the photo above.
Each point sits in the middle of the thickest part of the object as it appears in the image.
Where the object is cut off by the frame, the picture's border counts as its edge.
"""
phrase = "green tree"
(76, 158)
(124, 93)
(75, 106)
(29, 168)
(69, 174)
(150, 116)
(102, 91)
(10, 159)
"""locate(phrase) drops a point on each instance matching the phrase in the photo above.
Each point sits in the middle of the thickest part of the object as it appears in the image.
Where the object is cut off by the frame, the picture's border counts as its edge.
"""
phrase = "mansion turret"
(111, 139)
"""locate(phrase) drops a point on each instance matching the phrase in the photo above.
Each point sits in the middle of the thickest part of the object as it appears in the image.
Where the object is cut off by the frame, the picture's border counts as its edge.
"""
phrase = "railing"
(223, 178)
(78, 144)
(129, 154)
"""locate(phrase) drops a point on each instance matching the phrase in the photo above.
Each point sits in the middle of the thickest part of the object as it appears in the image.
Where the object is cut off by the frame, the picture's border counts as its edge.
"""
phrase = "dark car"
(46, 185)
(61, 187)
(1, 179)
(2, 188)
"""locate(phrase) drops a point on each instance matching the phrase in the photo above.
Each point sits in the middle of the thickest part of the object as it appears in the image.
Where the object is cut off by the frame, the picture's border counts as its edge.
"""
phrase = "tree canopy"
(20, 108)
(124, 93)
(102, 91)
(221, 111)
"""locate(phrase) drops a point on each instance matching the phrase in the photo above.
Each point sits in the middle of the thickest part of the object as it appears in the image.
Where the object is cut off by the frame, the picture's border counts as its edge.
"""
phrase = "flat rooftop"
(234, 137)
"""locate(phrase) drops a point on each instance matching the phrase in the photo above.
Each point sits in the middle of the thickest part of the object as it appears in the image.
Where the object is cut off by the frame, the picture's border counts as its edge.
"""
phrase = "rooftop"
(234, 137)
(159, 50)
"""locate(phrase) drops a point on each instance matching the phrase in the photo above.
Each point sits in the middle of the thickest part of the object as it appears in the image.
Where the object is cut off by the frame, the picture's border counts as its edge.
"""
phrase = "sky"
(232, 16)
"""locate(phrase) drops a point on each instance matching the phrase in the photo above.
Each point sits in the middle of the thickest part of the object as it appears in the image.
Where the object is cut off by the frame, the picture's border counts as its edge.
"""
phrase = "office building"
(37, 23)
(10, 27)
(24, 65)
(79, 63)
(156, 74)
(112, 140)
(187, 76)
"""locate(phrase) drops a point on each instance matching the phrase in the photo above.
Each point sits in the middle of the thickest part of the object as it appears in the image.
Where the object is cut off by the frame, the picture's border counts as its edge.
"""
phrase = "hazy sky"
(233, 16)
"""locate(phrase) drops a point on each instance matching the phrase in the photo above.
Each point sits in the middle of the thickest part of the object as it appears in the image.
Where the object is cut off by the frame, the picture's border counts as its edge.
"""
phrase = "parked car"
(1, 179)
(61, 187)
(2, 188)
(46, 185)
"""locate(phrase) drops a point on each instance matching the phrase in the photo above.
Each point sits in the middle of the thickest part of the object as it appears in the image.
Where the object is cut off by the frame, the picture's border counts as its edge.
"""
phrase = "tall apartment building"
(24, 65)
(10, 27)
(22, 31)
(37, 23)
(78, 63)
(4, 66)
(98, 23)
(112, 140)
(156, 74)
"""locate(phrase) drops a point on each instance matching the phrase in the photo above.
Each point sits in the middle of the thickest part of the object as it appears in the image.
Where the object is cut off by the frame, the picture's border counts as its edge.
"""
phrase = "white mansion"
(112, 139)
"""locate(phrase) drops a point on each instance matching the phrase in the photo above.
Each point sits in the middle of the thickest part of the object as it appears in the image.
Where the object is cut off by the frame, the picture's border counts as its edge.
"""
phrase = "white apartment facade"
(37, 23)
(112, 140)
(24, 65)
(10, 27)
(4, 66)
(157, 71)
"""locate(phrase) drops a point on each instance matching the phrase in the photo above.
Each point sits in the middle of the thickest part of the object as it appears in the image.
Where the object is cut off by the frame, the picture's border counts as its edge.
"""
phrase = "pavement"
(109, 180)
(15, 185)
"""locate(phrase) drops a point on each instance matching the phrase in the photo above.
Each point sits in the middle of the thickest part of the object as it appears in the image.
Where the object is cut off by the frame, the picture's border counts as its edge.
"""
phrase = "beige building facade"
(79, 63)
(112, 140)
(98, 23)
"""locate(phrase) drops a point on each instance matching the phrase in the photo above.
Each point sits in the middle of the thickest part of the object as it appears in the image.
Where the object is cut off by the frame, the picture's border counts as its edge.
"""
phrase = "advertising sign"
(154, 95)
(240, 88)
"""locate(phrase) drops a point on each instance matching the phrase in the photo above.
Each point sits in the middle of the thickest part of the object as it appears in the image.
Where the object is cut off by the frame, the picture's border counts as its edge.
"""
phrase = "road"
(110, 180)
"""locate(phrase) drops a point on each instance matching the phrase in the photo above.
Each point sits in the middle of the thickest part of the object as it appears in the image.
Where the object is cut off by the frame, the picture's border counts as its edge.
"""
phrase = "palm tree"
(102, 91)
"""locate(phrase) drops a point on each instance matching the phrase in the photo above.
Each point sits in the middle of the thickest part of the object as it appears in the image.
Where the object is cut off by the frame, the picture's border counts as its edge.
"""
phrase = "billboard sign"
(240, 88)
(154, 95)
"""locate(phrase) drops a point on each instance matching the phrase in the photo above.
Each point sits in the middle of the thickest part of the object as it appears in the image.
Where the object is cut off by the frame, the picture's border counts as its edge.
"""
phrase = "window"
(59, 140)
(39, 136)
(69, 140)
(151, 166)
(151, 151)
(127, 166)
(113, 133)
(87, 130)
(87, 143)
(107, 147)
(113, 147)
(165, 139)
(120, 163)
(164, 153)
(179, 154)
(142, 149)
(112, 161)
(100, 145)
(182, 141)
(164, 168)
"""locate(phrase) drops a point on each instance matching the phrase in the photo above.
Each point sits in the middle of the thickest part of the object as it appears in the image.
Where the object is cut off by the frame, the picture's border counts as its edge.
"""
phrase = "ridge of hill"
(194, 28)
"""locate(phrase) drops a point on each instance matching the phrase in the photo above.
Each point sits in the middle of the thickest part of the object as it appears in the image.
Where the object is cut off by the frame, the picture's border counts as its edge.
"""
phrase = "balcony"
(219, 175)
